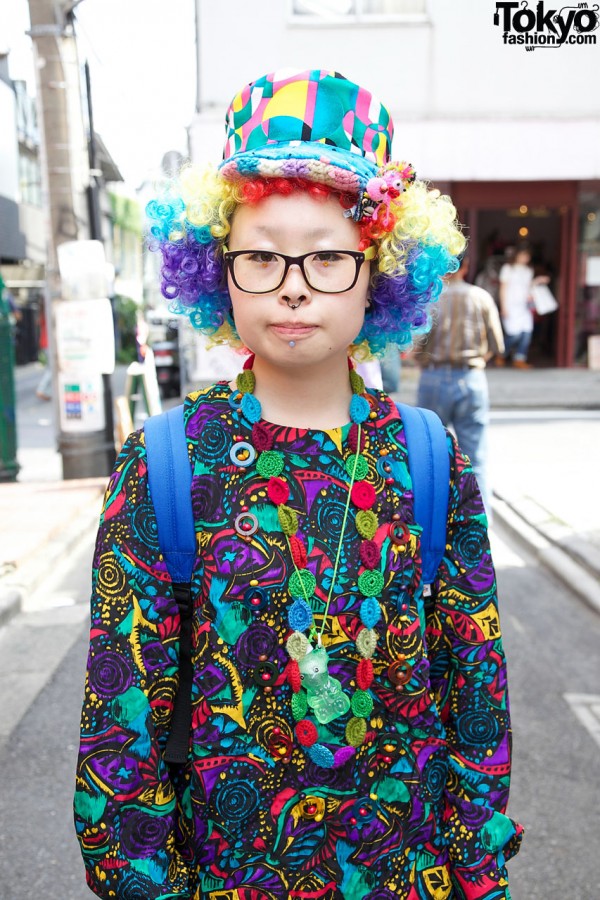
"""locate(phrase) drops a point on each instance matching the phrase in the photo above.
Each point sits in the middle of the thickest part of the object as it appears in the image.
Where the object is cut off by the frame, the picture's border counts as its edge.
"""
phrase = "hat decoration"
(389, 183)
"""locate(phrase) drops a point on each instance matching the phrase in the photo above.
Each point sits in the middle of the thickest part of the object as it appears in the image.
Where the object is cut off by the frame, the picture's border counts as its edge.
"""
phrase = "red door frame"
(472, 196)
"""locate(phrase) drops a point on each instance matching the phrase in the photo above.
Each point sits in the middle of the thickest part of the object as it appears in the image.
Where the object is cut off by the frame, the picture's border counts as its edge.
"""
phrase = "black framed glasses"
(326, 271)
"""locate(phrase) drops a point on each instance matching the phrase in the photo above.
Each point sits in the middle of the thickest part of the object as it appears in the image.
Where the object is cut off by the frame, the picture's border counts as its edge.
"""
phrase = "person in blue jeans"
(466, 333)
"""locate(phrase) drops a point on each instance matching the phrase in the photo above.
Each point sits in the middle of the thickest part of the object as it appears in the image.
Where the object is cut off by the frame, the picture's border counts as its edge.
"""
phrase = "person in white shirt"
(516, 306)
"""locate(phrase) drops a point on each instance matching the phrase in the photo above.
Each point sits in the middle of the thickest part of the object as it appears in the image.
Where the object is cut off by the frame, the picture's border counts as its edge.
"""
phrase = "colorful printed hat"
(315, 125)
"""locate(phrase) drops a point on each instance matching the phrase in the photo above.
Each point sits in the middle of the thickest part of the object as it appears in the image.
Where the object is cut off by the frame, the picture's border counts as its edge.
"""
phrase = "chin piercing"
(292, 343)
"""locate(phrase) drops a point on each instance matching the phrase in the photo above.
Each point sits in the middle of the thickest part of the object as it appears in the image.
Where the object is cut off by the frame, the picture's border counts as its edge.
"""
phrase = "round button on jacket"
(400, 672)
(265, 674)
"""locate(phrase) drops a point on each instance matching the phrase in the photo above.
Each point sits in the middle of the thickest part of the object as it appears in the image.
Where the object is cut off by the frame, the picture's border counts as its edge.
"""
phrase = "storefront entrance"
(497, 217)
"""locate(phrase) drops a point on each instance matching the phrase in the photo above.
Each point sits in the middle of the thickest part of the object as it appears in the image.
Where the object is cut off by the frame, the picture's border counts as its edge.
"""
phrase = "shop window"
(30, 179)
(357, 10)
(587, 308)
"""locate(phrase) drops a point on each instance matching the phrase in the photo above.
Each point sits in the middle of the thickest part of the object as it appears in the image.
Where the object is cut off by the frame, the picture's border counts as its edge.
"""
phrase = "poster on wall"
(81, 401)
(85, 336)
(84, 273)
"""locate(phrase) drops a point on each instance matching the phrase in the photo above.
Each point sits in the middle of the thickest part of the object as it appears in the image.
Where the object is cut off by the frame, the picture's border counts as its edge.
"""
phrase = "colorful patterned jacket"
(418, 811)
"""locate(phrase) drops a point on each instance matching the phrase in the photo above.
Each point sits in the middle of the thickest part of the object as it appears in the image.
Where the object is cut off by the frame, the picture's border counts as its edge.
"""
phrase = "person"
(516, 305)
(466, 334)
(43, 390)
(342, 744)
(391, 367)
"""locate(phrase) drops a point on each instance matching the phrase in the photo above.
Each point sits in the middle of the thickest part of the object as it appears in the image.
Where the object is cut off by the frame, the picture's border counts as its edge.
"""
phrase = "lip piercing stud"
(292, 343)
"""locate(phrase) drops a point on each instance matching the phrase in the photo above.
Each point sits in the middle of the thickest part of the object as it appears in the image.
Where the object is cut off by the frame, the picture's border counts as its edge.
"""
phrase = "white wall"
(455, 63)
(9, 147)
(465, 105)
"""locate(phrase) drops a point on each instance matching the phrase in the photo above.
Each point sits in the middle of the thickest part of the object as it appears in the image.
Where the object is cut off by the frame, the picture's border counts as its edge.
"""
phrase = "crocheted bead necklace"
(307, 671)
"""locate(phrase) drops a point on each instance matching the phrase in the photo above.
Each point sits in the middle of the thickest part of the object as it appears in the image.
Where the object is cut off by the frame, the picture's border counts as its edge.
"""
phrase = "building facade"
(510, 129)
(22, 234)
(23, 220)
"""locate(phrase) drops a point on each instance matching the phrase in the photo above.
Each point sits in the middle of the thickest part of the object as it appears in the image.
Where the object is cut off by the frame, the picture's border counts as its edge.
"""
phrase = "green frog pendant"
(324, 694)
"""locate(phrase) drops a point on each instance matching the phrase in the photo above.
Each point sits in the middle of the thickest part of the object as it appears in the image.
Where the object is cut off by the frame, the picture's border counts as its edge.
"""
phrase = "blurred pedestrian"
(391, 365)
(142, 333)
(516, 305)
(338, 742)
(43, 390)
(465, 335)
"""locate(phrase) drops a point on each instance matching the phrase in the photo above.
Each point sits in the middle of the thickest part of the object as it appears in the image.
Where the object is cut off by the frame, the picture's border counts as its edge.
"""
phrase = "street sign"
(85, 336)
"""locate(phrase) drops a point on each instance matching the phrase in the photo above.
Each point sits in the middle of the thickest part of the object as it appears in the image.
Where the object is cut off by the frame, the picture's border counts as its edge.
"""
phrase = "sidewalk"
(544, 468)
(530, 389)
(546, 484)
(40, 524)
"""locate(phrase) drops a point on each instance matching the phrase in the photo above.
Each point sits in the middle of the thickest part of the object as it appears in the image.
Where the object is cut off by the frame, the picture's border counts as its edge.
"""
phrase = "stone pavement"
(557, 518)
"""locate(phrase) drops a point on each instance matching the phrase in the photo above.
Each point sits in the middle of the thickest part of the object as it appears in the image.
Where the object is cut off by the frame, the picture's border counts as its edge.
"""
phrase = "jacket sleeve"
(469, 678)
(493, 326)
(125, 804)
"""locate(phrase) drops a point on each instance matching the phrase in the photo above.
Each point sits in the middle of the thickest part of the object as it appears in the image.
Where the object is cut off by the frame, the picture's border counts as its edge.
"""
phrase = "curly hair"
(417, 242)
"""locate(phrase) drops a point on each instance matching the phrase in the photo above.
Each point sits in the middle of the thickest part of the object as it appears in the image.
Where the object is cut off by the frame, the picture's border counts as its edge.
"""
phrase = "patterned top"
(417, 812)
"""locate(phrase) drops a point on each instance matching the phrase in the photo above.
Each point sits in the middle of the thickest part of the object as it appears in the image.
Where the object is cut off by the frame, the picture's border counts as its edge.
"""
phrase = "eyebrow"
(310, 233)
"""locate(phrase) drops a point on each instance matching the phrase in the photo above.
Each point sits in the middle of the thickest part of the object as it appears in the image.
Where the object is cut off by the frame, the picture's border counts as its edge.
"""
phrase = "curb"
(575, 575)
(10, 604)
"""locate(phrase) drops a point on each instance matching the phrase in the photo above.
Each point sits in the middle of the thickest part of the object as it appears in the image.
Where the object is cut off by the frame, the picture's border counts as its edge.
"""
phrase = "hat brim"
(322, 163)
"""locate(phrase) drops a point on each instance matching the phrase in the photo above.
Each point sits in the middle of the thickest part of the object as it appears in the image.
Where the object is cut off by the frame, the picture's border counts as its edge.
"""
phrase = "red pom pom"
(261, 437)
(363, 495)
(307, 733)
(353, 438)
(278, 490)
(364, 674)
(293, 675)
(370, 554)
(298, 551)
(248, 363)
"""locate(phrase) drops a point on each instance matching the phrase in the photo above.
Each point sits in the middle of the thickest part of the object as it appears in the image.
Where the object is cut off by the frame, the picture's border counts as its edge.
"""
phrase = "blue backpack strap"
(429, 467)
(170, 480)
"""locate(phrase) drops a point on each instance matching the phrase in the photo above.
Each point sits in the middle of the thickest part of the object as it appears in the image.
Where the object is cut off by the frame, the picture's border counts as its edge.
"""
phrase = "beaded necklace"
(307, 671)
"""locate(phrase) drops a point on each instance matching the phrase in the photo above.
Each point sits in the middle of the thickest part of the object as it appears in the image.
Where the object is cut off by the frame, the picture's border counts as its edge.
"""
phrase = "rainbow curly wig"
(318, 132)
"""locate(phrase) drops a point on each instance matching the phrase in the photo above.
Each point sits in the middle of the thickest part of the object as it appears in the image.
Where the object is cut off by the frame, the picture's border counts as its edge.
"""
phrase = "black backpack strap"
(178, 744)
(170, 481)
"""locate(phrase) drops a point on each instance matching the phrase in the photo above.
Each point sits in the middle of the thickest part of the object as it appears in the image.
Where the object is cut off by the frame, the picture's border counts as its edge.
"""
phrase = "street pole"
(65, 178)
(9, 466)
(96, 235)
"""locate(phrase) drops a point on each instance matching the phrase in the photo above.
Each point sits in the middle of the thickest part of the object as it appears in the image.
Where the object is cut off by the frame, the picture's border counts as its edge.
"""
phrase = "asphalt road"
(551, 641)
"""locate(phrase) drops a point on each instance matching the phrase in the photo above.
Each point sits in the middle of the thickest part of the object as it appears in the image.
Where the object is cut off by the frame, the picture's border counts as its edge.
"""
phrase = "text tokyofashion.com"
(545, 27)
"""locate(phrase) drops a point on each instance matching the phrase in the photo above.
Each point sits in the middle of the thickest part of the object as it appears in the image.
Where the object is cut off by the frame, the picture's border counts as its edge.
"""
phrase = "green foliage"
(125, 312)
(126, 212)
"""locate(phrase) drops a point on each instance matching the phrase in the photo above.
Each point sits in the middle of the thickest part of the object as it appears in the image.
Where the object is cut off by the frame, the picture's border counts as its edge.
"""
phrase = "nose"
(294, 289)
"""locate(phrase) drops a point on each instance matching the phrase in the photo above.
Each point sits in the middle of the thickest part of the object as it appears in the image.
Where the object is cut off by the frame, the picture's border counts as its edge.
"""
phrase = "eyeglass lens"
(328, 271)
